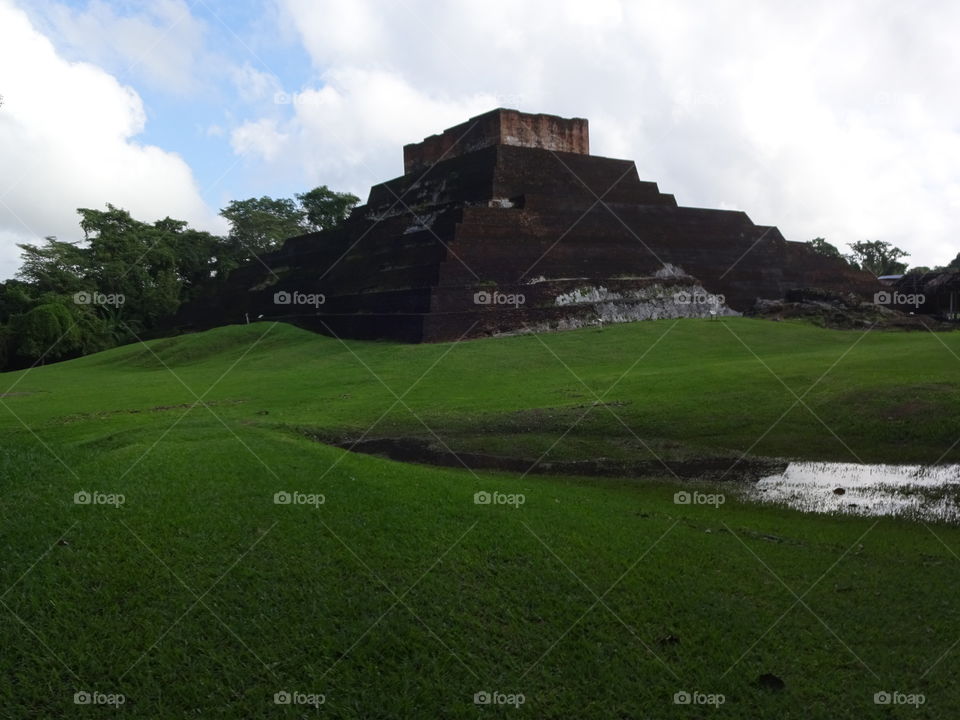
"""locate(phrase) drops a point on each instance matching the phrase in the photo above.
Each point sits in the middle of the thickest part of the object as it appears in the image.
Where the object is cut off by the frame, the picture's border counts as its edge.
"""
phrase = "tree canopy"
(877, 257)
(326, 209)
(259, 225)
(124, 278)
(822, 247)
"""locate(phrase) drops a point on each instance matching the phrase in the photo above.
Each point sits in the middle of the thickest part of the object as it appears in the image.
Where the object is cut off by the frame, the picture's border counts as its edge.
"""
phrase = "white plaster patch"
(598, 306)
(425, 222)
(671, 271)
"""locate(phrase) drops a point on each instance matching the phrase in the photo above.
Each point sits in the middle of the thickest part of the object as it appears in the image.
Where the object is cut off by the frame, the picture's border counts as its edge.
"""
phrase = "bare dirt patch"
(423, 452)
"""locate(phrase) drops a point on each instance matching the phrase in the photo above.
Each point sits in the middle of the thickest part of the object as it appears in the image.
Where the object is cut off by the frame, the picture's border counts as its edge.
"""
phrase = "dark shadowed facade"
(934, 293)
(506, 223)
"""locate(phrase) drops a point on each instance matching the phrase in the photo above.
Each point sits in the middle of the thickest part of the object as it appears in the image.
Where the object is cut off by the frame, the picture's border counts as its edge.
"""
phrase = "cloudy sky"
(834, 119)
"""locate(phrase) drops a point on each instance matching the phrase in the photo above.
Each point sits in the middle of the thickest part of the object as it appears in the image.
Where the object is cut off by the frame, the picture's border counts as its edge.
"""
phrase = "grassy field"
(399, 596)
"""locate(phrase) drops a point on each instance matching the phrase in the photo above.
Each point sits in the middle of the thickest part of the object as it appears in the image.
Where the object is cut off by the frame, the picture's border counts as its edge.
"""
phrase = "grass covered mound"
(686, 388)
(400, 596)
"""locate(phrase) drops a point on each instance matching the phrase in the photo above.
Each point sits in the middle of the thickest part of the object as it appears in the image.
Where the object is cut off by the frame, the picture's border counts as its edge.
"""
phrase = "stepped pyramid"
(506, 223)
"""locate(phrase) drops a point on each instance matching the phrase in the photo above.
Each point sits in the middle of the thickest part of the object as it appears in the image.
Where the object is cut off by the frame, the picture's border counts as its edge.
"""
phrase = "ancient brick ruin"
(506, 223)
(500, 127)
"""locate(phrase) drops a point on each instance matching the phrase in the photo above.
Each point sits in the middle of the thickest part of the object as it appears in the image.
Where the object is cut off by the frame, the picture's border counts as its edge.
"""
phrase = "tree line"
(877, 257)
(124, 278)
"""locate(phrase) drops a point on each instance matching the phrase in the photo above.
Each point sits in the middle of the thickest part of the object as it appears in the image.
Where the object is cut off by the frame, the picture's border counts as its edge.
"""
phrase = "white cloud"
(259, 138)
(350, 132)
(161, 43)
(67, 140)
(253, 85)
(828, 118)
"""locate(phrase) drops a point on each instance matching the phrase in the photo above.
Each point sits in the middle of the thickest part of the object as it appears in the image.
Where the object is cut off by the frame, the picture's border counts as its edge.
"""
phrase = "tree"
(55, 266)
(260, 224)
(47, 332)
(197, 255)
(326, 209)
(126, 276)
(822, 247)
(877, 257)
(16, 298)
(6, 345)
(954, 264)
(133, 262)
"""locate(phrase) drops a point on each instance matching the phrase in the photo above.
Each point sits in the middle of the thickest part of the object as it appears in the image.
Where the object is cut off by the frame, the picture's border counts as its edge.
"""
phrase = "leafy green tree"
(822, 247)
(954, 264)
(16, 298)
(55, 266)
(259, 225)
(877, 257)
(134, 263)
(197, 255)
(46, 332)
(127, 277)
(326, 209)
(6, 345)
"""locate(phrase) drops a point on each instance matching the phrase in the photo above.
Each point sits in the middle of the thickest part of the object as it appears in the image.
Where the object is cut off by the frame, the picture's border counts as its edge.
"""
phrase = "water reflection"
(921, 492)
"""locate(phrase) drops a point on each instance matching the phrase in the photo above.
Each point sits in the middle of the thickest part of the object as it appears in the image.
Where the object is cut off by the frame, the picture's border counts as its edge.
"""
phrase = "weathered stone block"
(499, 127)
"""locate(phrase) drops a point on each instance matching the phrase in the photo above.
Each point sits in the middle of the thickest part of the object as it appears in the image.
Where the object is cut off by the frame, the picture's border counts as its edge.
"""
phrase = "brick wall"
(499, 127)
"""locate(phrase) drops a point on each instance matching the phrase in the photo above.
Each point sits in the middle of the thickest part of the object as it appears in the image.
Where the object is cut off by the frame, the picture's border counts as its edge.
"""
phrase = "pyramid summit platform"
(506, 224)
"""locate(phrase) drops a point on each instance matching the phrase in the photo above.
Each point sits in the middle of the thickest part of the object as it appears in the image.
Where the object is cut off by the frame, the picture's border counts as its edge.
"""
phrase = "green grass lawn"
(399, 596)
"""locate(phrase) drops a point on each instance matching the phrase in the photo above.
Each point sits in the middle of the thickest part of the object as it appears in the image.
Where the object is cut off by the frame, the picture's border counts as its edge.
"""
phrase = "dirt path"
(420, 451)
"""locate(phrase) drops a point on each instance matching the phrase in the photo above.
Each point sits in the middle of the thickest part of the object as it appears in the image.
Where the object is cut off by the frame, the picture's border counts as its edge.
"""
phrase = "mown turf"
(401, 597)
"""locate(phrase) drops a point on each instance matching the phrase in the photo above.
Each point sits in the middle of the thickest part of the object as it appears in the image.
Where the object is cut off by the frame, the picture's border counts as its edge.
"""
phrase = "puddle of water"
(919, 492)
